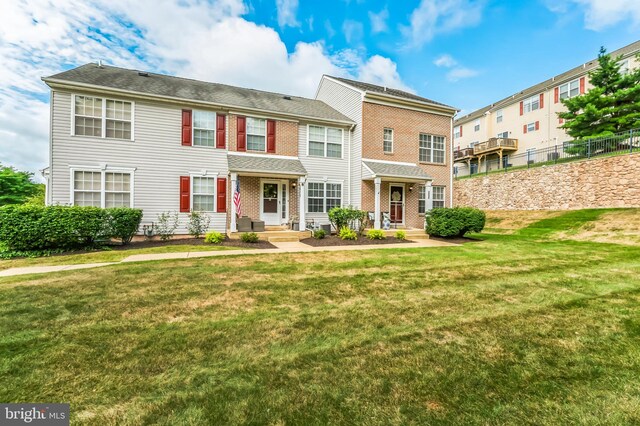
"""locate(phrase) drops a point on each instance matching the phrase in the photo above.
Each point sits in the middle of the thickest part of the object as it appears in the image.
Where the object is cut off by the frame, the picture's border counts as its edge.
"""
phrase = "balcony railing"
(495, 144)
(462, 154)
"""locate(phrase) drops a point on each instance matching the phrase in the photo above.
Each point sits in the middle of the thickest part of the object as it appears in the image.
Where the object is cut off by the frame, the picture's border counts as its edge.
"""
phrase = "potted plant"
(294, 224)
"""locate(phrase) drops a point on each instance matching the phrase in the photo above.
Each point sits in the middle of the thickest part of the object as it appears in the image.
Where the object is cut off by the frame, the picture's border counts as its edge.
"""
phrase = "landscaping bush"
(401, 235)
(347, 233)
(214, 237)
(319, 234)
(376, 234)
(454, 222)
(249, 237)
(198, 223)
(166, 225)
(123, 223)
(349, 217)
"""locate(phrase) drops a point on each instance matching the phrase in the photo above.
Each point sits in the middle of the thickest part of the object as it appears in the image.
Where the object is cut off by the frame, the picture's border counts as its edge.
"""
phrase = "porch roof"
(266, 164)
(402, 171)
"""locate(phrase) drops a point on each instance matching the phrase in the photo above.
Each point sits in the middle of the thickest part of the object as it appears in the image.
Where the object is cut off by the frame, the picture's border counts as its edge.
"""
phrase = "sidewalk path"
(284, 247)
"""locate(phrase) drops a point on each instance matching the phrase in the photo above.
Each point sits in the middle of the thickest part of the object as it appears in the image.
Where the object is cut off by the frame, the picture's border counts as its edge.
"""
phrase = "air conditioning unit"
(553, 156)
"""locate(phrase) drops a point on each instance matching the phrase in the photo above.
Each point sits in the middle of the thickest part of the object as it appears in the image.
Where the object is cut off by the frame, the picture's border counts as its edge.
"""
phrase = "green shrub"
(214, 237)
(123, 223)
(319, 234)
(249, 237)
(401, 235)
(454, 222)
(376, 234)
(347, 233)
(198, 223)
(349, 217)
(166, 225)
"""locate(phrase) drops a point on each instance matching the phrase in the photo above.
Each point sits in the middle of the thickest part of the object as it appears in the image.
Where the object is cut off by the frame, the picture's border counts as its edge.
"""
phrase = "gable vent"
(143, 74)
(287, 98)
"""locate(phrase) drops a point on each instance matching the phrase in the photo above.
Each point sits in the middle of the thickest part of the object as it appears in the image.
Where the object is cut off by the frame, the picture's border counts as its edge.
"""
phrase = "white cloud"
(379, 21)
(460, 73)
(353, 31)
(600, 14)
(445, 60)
(287, 11)
(190, 38)
(434, 17)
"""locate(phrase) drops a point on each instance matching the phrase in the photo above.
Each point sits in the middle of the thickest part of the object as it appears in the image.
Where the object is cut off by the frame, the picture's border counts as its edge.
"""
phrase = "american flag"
(236, 199)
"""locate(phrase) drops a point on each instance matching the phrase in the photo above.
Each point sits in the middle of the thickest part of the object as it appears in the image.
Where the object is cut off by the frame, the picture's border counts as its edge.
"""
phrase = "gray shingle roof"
(215, 93)
(396, 170)
(266, 164)
(368, 87)
(552, 82)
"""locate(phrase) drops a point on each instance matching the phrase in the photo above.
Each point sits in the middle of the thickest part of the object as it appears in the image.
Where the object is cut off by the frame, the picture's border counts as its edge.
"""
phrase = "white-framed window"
(324, 141)
(457, 132)
(323, 196)
(499, 116)
(103, 118)
(624, 67)
(256, 134)
(570, 89)
(431, 149)
(476, 125)
(101, 188)
(204, 128)
(438, 196)
(422, 200)
(203, 193)
(531, 127)
(387, 141)
(531, 104)
(504, 135)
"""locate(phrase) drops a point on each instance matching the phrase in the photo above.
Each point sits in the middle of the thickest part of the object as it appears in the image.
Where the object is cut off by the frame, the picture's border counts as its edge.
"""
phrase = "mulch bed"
(334, 240)
(261, 244)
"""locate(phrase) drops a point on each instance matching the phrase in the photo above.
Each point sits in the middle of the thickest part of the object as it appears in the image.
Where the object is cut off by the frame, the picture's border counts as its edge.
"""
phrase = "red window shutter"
(242, 133)
(560, 120)
(186, 127)
(221, 134)
(461, 130)
(221, 194)
(185, 194)
(524, 128)
(541, 100)
(271, 136)
(537, 125)
(521, 107)
(556, 95)
(582, 81)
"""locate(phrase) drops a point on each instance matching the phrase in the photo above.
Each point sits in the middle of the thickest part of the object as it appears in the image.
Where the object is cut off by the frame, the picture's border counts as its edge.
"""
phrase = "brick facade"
(286, 137)
(411, 217)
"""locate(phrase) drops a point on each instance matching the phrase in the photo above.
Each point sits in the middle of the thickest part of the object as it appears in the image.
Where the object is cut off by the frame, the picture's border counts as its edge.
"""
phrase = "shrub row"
(454, 222)
(31, 227)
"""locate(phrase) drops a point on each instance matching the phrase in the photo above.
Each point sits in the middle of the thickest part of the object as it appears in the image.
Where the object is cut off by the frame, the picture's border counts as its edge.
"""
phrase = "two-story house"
(122, 137)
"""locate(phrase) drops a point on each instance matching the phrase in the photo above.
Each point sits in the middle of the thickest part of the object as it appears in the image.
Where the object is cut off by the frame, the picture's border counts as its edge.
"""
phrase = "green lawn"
(515, 329)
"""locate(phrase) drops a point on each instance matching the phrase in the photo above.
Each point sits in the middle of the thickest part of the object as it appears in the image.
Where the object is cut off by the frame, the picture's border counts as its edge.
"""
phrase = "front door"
(396, 203)
(273, 202)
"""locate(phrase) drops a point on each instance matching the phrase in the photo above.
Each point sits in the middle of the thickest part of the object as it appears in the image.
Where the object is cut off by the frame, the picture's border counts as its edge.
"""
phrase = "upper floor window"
(457, 132)
(476, 125)
(531, 104)
(387, 142)
(102, 188)
(624, 67)
(203, 191)
(325, 142)
(100, 117)
(322, 197)
(204, 128)
(570, 89)
(431, 149)
(499, 116)
(256, 134)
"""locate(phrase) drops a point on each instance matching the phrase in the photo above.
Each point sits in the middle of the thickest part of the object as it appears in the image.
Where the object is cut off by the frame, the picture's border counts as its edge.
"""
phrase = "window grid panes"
(531, 104)
(431, 149)
(118, 119)
(87, 187)
(570, 89)
(90, 113)
(457, 131)
(256, 134)
(438, 196)
(88, 116)
(387, 141)
(323, 197)
(203, 194)
(333, 195)
(476, 126)
(204, 128)
(531, 127)
(499, 116)
(422, 200)
(325, 142)
(117, 190)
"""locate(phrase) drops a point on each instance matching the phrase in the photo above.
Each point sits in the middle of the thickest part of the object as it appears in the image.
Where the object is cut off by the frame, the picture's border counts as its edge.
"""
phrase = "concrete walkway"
(282, 247)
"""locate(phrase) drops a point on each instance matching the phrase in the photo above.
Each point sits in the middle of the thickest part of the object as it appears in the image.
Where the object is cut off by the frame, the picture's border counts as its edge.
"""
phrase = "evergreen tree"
(16, 187)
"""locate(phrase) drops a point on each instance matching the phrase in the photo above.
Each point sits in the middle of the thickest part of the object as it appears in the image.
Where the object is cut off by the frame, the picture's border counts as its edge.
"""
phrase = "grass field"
(525, 328)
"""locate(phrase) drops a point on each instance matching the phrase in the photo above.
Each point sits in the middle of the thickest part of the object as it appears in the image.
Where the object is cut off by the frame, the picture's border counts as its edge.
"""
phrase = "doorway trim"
(283, 184)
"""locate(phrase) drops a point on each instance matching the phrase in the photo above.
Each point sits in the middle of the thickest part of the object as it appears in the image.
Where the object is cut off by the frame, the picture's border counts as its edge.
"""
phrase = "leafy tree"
(611, 106)
(16, 187)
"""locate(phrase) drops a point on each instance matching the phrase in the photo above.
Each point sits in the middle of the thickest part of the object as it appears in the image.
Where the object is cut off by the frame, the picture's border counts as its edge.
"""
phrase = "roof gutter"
(63, 84)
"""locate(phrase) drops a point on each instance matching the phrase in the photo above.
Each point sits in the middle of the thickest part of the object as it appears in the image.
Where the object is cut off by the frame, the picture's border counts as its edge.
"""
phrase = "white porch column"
(428, 193)
(301, 203)
(376, 221)
(234, 180)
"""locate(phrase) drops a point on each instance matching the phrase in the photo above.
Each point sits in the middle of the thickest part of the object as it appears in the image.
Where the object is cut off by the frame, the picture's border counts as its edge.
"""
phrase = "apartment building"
(122, 137)
(524, 122)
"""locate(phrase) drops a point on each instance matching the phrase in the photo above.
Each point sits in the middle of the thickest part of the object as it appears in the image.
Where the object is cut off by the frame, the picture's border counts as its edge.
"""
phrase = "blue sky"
(461, 52)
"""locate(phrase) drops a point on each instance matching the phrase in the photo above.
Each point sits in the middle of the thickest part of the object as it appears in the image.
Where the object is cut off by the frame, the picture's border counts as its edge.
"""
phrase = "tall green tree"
(611, 106)
(16, 187)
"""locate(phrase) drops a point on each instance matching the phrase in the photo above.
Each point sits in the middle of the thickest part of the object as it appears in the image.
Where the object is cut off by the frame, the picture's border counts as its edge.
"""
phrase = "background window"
(457, 131)
(476, 126)
(531, 127)
(204, 128)
(499, 116)
(87, 188)
(256, 134)
(531, 104)
(203, 194)
(570, 89)
(387, 142)
(438, 196)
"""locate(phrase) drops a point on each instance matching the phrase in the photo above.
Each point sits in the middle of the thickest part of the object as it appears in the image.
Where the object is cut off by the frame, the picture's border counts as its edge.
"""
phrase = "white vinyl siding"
(531, 104)
(323, 196)
(100, 117)
(432, 149)
(204, 128)
(570, 89)
(256, 134)
(387, 141)
(438, 196)
(325, 142)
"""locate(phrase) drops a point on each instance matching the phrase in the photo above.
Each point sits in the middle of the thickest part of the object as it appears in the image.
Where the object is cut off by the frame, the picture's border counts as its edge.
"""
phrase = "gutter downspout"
(451, 167)
(48, 200)
(349, 162)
